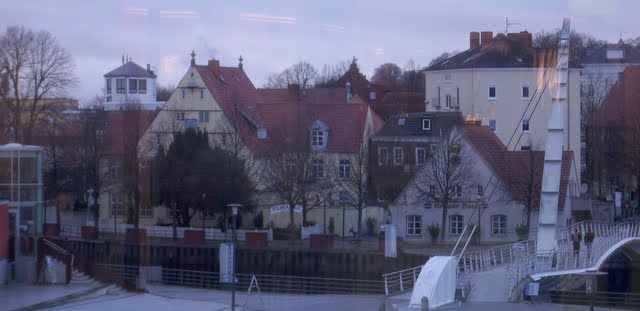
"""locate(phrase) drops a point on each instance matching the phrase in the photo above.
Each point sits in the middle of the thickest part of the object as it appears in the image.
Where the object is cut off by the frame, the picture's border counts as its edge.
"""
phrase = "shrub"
(258, 221)
(371, 225)
(434, 230)
(309, 223)
(522, 230)
(589, 237)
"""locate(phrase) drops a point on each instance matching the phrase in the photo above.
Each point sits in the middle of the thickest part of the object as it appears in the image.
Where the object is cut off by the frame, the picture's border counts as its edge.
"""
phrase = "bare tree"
(303, 74)
(352, 177)
(448, 173)
(388, 75)
(412, 79)
(581, 43)
(37, 68)
(595, 87)
(330, 74)
(164, 92)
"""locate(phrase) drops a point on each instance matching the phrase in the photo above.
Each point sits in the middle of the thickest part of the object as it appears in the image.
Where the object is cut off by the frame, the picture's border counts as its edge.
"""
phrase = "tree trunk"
(359, 218)
(444, 221)
(291, 225)
(96, 211)
(136, 208)
(528, 219)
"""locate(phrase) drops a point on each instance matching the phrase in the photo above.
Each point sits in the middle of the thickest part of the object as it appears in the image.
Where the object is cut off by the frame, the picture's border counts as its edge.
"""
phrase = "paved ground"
(15, 296)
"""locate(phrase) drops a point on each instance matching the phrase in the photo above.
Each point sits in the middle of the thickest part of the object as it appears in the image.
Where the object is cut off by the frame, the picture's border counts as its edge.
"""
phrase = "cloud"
(172, 14)
(331, 28)
(379, 51)
(265, 18)
(137, 11)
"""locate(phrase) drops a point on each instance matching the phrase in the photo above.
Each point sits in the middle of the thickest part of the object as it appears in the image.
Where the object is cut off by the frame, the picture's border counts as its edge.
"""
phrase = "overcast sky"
(271, 35)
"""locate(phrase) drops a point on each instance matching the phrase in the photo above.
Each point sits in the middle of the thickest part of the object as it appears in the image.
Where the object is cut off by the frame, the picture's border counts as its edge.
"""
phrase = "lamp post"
(204, 196)
(234, 212)
(89, 198)
(591, 284)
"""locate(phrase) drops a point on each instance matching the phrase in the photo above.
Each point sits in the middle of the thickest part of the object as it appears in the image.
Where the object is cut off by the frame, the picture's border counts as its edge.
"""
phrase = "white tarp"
(437, 282)
(285, 208)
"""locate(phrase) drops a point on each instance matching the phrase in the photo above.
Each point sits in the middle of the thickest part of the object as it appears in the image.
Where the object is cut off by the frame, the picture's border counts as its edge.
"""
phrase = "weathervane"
(240, 61)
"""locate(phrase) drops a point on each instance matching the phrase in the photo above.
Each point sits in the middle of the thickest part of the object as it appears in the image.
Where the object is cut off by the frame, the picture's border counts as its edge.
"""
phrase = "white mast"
(554, 145)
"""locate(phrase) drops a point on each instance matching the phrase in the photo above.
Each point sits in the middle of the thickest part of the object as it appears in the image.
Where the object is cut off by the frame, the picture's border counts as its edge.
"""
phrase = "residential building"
(130, 85)
(494, 195)
(611, 142)
(402, 146)
(505, 82)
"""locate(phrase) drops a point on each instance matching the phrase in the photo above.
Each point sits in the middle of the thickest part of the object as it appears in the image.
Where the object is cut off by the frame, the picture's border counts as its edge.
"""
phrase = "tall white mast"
(553, 151)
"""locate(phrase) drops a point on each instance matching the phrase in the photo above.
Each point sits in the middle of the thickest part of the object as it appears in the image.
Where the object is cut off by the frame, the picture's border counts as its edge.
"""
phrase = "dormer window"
(319, 136)
(426, 124)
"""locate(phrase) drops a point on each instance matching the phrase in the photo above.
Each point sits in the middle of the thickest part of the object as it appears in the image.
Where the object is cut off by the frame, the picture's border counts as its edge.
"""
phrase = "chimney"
(214, 66)
(523, 38)
(148, 67)
(486, 37)
(474, 39)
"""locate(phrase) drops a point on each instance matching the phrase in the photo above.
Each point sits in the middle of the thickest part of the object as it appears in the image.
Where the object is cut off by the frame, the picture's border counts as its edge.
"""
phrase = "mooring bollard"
(424, 304)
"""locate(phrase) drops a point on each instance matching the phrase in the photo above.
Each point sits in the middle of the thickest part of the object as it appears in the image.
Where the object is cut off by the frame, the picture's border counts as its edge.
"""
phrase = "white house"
(130, 84)
(493, 195)
(507, 84)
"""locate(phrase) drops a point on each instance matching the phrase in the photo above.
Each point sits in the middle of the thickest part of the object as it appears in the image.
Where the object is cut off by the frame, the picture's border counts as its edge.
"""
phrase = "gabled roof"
(124, 129)
(393, 103)
(130, 69)
(516, 169)
(599, 55)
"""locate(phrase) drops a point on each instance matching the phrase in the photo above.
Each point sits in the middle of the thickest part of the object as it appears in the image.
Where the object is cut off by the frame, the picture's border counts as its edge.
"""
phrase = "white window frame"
(414, 225)
(203, 116)
(426, 124)
(456, 224)
(133, 86)
(398, 155)
(381, 160)
(317, 138)
(495, 91)
(317, 169)
(146, 211)
(499, 224)
(448, 101)
(522, 92)
(115, 207)
(421, 158)
(123, 89)
(344, 169)
(527, 122)
(142, 90)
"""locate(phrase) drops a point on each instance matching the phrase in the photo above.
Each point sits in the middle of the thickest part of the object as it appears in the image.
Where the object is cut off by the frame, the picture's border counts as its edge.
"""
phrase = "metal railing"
(565, 257)
(268, 283)
(601, 299)
(400, 281)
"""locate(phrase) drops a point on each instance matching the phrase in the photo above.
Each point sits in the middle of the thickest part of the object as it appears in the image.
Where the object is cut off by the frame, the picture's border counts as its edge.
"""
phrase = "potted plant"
(434, 231)
(522, 230)
(371, 225)
(589, 237)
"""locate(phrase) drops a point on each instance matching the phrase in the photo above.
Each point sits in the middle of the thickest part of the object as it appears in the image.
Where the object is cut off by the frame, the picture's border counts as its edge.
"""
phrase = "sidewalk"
(17, 296)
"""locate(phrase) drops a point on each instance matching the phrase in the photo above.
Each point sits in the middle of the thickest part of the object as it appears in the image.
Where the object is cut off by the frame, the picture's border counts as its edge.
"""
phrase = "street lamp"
(204, 196)
(89, 198)
(234, 212)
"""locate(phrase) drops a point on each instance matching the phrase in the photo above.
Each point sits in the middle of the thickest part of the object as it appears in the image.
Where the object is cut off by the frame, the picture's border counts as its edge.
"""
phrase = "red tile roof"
(124, 129)
(515, 168)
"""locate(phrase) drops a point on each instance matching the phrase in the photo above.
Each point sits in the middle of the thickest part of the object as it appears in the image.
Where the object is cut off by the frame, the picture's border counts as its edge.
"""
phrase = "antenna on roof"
(507, 24)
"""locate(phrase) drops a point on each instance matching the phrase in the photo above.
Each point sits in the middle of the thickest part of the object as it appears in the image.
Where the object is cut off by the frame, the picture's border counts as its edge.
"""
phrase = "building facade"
(130, 85)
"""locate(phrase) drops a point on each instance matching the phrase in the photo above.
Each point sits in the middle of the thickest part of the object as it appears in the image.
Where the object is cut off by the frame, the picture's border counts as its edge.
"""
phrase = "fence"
(74, 231)
(600, 299)
(268, 283)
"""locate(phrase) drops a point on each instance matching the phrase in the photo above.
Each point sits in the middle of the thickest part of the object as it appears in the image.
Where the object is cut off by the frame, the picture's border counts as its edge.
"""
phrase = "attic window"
(615, 54)
(319, 133)
(262, 133)
(401, 121)
(426, 124)
(372, 95)
(447, 77)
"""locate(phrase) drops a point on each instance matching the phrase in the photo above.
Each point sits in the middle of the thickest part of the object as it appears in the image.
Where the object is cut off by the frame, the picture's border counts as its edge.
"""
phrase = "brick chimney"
(214, 66)
(474, 39)
(524, 38)
(486, 37)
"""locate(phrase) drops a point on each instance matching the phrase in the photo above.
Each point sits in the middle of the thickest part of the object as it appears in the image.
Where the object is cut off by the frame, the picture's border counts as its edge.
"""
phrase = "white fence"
(73, 231)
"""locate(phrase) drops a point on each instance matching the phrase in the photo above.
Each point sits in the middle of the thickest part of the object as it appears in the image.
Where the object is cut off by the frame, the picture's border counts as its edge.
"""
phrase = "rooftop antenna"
(507, 24)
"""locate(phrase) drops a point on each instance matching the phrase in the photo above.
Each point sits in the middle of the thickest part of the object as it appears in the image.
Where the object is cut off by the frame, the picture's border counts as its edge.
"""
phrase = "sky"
(272, 35)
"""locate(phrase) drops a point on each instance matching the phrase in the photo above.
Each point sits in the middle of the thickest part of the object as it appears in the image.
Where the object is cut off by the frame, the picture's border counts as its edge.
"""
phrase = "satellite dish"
(583, 188)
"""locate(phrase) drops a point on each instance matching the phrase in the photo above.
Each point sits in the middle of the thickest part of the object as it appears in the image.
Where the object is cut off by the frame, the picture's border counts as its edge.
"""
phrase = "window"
(133, 86)
(344, 198)
(383, 156)
(414, 225)
(480, 190)
(114, 205)
(180, 116)
(448, 103)
(525, 125)
(108, 99)
(120, 86)
(426, 124)
(525, 148)
(203, 116)
(201, 94)
(146, 211)
(492, 93)
(492, 124)
(113, 170)
(421, 155)
(398, 155)
(372, 95)
(108, 86)
(344, 169)
(447, 77)
(458, 190)
(456, 223)
(317, 168)
(498, 224)
(317, 138)
(401, 121)
(525, 92)
(183, 93)
(142, 86)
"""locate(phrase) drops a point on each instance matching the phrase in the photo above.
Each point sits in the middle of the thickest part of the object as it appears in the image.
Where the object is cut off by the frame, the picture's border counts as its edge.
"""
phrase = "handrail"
(468, 240)
(62, 251)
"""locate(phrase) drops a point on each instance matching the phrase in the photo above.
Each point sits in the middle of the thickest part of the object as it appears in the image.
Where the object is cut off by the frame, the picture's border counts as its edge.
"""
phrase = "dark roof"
(599, 55)
(501, 52)
(411, 124)
(130, 69)
(124, 129)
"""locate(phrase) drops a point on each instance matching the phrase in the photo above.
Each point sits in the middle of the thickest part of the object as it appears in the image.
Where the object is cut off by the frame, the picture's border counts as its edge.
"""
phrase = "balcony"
(450, 104)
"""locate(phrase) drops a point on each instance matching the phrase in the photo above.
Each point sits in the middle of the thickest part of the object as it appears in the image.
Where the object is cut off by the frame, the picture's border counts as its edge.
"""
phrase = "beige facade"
(469, 91)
